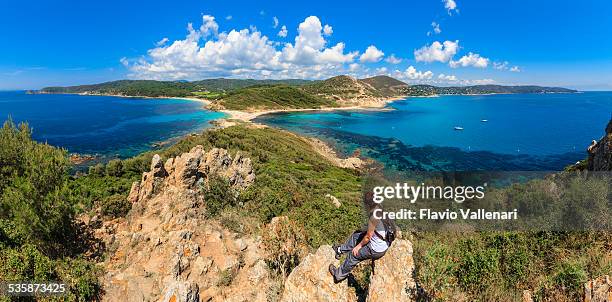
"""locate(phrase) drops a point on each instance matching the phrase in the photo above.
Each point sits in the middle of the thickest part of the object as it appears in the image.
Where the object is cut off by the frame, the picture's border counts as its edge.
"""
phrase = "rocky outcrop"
(392, 280)
(311, 281)
(600, 153)
(598, 290)
(165, 249)
(393, 275)
(192, 168)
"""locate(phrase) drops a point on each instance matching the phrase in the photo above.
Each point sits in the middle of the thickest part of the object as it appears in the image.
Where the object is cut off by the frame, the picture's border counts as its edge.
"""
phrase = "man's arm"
(366, 238)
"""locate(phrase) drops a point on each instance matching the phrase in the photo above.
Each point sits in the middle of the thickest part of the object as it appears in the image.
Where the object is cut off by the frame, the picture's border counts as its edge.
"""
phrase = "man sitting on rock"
(363, 245)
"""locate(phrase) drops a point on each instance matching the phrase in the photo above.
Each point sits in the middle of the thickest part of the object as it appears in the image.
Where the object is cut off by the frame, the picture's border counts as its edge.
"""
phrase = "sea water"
(104, 125)
(509, 132)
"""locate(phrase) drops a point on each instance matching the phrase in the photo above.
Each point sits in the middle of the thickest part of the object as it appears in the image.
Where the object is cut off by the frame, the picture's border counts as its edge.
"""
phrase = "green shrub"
(570, 277)
(115, 206)
(218, 194)
(37, 209)
(114, 168)
(478, 265)
(97, 170)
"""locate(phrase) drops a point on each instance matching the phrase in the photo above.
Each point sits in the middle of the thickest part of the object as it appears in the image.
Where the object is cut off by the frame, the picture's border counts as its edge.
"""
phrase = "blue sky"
(560, 43)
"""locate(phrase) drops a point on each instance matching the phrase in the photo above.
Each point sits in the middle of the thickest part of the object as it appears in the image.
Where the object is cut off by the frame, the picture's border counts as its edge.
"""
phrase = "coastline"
(248, 116)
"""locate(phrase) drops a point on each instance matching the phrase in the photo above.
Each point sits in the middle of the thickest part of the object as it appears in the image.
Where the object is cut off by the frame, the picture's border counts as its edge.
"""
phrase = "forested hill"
(339, 87)
(150, 88)
(482, 89)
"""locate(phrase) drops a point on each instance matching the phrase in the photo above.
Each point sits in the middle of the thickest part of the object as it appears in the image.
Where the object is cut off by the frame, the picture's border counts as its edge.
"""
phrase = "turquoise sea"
(104, 125)
(522, 132)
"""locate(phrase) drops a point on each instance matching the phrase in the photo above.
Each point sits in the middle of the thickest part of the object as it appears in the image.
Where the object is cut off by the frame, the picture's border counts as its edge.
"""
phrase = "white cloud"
(412, 74)
(275, 20)
(479, 82)
(229, 17)
(435, 29)
(206, 52)
(501, 65)
(440, 52)
(381, 70)
(372, 54)
(448, 78)
(327, 30)
(392, 59)
(283, 31)
(354, 67)
(124, 61)
(261, 12)
(505, 66)
(161, 42)
(209, 26)
(450, 6)
(471, 59)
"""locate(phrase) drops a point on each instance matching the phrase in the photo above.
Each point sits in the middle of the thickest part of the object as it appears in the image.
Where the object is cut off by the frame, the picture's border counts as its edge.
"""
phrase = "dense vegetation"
(39, 238)
(498, 266)
(424, 90)
(243, 94)
(150, 88)
(272, 97)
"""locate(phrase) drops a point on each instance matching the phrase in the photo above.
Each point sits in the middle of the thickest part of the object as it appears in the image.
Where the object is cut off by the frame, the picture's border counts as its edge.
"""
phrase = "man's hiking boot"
(332, 271)
(336, 248)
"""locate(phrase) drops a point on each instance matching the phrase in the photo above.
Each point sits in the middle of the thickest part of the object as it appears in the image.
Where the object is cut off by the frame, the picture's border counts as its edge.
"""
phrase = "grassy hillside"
(386, 85)
(272, 97)
(233, 84)
(341, 87)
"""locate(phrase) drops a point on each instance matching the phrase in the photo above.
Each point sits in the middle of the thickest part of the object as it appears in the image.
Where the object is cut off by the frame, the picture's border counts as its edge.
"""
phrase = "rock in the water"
(600, 153)
(393, 275)
(311, 281)
(598, 290)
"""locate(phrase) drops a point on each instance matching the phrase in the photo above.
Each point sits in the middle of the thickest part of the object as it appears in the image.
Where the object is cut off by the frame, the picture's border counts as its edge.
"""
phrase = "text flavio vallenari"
(459, 194)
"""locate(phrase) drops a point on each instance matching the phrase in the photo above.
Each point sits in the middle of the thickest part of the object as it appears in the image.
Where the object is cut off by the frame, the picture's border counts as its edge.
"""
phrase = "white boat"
(484, 121)
(458, 128)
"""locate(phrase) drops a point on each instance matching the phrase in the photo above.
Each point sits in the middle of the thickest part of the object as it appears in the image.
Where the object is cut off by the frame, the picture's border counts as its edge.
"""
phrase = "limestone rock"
(182, 292)
(311, 281)
(600, 153)
(134, 191)
(333, 200)
(165, 250)
(598, 290)
(393, 275)
(184, 172)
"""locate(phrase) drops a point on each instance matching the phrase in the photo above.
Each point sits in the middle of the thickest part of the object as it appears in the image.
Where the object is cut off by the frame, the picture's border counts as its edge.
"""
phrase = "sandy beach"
(248, 116)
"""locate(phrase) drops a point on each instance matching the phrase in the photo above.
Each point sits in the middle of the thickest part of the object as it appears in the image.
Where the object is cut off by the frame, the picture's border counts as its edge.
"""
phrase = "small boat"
(484, 121)
(458, 128)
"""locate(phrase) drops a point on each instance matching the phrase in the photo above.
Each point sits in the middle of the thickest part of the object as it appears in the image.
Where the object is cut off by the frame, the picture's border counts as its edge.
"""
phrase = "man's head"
(368, 202)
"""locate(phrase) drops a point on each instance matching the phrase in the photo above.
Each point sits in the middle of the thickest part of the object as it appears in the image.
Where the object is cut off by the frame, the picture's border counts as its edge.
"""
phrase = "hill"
(147, 88)
(250, 94)
(267, 97)
(346, 91)
(386, 85)
(150, 88)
